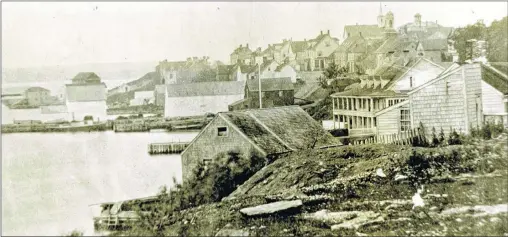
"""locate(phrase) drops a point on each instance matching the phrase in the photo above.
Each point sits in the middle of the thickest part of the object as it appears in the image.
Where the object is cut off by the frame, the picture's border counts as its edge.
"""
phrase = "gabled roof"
(299, 46)
(86, 76)
(248, 68)
(242, 50)
(266, 64)
(271, 84)
(443, 75)
(215, 88)
(500, 66)
(280, 67)
(367, 31)
(279, 129)
(394, 44)
(412, 63)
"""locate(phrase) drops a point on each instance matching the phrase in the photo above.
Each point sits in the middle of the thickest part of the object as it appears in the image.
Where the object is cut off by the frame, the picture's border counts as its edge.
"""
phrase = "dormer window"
(320, 53)
(391, 52)
(406, 51)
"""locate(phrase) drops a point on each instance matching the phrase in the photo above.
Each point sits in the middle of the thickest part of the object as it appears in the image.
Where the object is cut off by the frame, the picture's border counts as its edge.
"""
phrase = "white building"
(143, 98)
(195, 99)
(86, 96)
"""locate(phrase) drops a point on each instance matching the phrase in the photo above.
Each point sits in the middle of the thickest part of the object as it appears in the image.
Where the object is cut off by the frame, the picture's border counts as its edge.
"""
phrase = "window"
(405, 120)
(262, 94)
(410, 82)
(319, 53)
(281, 93)
(171, 76)
(222, 131)
(316, 63)
(406, 51)
(327, 43)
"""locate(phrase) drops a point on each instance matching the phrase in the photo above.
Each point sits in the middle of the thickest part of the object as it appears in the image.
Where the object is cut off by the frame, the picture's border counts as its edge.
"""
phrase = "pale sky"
(46, 34)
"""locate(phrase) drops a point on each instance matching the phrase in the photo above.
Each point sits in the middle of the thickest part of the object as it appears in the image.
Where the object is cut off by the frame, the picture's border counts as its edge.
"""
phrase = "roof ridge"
(269, 130)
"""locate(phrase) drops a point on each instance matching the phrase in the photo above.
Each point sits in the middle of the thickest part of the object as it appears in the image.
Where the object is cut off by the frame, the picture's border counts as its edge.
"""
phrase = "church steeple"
(380, 17)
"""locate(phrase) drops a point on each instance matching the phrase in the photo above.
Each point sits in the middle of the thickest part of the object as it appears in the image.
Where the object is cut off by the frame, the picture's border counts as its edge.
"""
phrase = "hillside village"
(309, 137)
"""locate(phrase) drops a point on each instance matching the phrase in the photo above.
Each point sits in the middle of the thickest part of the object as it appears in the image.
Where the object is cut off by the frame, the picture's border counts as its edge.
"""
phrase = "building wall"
(389, 122)
(207, 145)
(271, 98)
(287, 71)
(473, 78)
(198, 105)
(78, 110)
(421, 73)
(38, 97)
(492, 100)
(434, 107)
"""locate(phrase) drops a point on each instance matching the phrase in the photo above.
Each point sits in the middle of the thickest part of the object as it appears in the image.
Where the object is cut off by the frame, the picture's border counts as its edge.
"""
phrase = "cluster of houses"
(84, 99)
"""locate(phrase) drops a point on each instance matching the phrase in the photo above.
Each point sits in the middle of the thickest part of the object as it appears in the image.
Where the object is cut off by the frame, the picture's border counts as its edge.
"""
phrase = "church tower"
(389, 20)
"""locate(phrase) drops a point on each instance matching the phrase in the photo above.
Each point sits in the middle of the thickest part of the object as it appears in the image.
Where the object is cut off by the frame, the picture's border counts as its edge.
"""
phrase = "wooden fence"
(402, 138)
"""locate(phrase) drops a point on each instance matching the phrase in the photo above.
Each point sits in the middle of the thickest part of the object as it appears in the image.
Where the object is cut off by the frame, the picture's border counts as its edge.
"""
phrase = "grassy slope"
(295, 173)
(145, 83)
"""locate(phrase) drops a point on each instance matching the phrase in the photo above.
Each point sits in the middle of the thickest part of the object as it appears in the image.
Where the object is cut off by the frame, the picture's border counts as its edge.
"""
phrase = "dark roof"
(435, 44)
(248, 68)
(351, 42)
(271, 84)
(369, 93)
(279, 129)
(501, 66)
(394, 44)
(495, 78)
(299, 46)
(242, 50)
(205, 89)
(368, 31)
(86, 76)
(85, 92)
(36, 88)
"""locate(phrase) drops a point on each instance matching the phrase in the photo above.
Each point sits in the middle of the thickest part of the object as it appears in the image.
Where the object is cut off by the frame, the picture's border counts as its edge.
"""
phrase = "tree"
(206, 75)
(435, 140)
(333, 71)
(497, 41)
(462, 35)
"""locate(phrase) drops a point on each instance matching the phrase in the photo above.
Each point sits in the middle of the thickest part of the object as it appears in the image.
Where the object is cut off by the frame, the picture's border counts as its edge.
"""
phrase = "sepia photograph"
(254, 118)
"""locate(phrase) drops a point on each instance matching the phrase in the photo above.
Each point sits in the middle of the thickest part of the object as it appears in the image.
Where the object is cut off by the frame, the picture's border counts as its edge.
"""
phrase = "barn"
(262, 131)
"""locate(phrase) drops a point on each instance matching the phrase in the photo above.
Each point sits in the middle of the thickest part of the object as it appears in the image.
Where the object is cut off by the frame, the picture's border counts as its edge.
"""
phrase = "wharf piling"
(167, 148)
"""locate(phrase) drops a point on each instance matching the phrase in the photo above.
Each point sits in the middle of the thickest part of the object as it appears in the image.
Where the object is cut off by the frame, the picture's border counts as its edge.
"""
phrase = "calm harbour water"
(50, 179)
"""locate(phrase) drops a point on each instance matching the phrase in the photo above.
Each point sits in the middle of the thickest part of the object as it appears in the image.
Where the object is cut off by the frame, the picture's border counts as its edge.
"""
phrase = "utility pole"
(259, 81)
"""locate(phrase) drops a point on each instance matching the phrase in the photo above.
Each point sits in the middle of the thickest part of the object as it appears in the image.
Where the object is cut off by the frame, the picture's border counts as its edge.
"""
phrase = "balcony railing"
(361, 131)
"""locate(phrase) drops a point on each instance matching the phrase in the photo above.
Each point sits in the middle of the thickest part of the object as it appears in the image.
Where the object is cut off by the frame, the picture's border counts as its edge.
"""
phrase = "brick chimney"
(328, 32)
(321, 33)
(247, 45)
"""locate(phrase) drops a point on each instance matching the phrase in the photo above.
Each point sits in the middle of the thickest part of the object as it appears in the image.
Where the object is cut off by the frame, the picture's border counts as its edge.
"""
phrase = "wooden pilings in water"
(167, 148)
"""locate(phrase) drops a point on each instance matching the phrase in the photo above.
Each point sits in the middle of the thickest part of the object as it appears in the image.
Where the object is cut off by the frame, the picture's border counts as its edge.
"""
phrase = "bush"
(487, 131)
(75, 233)
(210, 183)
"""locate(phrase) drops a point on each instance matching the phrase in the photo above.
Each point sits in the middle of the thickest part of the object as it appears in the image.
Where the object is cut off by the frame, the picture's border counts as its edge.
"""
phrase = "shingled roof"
(395, 44)
(279, 129)
(271, 84)
(367, 31)
(205, 89)
(86, 77)
(299, 46)
(434, 44)
(495, 78)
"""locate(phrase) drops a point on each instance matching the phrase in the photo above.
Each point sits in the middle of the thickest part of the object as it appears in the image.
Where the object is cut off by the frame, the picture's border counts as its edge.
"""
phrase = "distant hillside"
(145, 83)
(107, 71)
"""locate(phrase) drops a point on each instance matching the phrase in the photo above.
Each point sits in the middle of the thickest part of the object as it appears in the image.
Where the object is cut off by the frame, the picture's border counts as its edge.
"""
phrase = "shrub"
(435, 140)
(442, 137)
(75, 233)
(487, 131)
(210, 183)
(454, 138)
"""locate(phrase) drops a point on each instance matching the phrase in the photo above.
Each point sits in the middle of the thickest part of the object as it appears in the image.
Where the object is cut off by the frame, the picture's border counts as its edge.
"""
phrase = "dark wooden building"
(262, 131)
